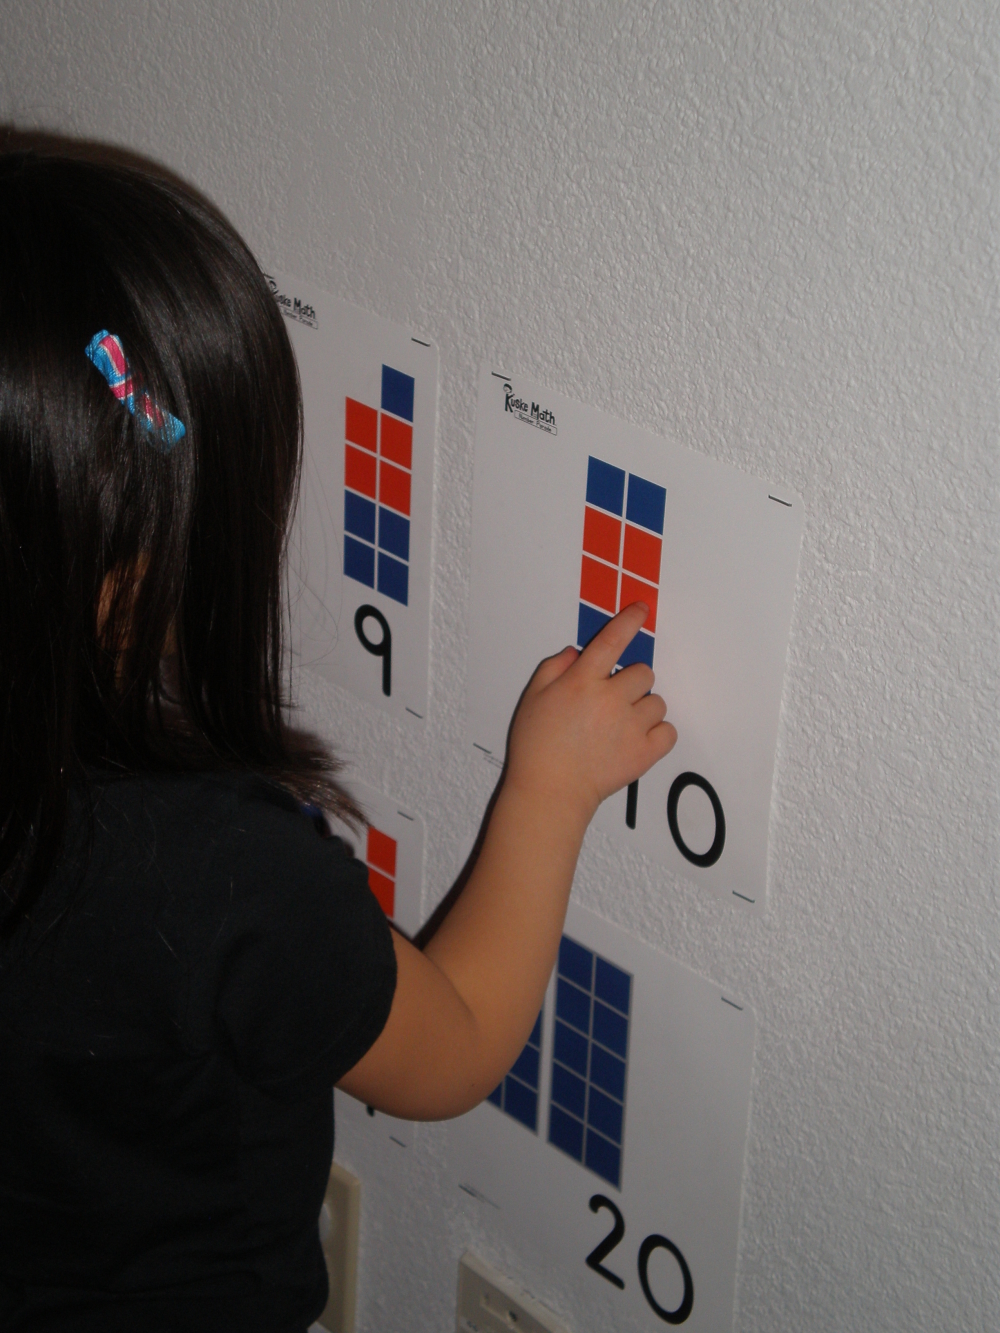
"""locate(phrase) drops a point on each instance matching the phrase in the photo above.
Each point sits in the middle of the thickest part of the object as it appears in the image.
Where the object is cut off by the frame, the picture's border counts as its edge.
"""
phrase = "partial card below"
(392, 848)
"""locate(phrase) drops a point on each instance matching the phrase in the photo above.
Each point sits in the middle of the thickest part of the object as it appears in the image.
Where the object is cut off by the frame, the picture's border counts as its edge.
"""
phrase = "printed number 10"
(683, 780)
(595, 1260)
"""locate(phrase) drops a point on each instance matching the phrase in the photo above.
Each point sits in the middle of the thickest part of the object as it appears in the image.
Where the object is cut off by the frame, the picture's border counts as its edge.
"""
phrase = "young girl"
(186, 968)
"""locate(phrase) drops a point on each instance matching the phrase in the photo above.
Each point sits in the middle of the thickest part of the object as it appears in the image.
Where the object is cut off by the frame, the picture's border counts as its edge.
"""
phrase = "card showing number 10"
(577, 515)
(360, 551)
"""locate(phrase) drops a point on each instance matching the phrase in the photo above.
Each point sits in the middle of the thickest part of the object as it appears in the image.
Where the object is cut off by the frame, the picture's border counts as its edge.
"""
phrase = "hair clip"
(107, 354)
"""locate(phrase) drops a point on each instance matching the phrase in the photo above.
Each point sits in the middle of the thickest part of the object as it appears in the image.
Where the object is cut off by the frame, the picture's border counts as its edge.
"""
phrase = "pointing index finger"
(605, 648)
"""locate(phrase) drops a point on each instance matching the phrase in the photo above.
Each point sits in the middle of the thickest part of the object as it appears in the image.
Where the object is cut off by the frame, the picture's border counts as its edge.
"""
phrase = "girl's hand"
(581, 733)
(464, 1007)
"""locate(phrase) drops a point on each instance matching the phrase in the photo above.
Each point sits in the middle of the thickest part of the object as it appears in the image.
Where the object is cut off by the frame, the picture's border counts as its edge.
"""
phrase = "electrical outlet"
(488, 1302)
(338, 1233)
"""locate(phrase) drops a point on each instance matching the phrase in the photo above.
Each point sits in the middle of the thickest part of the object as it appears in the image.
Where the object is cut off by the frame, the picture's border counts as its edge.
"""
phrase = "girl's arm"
(465, 1006)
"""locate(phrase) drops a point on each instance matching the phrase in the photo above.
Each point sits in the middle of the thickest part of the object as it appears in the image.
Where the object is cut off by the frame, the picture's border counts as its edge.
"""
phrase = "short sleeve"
(305, 970)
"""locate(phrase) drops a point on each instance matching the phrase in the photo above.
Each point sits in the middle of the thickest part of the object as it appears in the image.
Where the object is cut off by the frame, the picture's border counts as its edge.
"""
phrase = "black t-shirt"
(197, 975)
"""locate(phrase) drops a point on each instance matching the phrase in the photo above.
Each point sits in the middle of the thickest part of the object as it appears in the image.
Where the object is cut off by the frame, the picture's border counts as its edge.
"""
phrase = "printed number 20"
(595, 1260)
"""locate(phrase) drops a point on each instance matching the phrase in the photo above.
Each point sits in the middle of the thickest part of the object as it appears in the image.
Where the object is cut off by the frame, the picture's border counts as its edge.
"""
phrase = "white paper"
(725, 580)
(686, 1100)
(360, 372)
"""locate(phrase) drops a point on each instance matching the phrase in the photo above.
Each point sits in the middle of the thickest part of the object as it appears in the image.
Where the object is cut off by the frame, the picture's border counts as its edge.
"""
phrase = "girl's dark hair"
(114, 553)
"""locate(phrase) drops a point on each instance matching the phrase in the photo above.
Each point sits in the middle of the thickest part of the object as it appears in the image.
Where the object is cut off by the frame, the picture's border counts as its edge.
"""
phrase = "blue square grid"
(359, 561)
(359, 516)
(647, 503)
(590, 1060)
(397, 393)
(517, 1094)
(590, 621)
(393, 533)
(393, 578)
(605, 486)
(639, 650)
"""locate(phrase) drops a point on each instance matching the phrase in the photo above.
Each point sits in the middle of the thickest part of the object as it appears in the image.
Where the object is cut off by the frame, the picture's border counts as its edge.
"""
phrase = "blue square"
(397, 393)
(608, 1072)
(496, 1096)
(610, 1029)
(639, 650)
(576, 962)
(566, 1133)
(359, 562)
(612, 985)
(646, 504)
(520, 1102)
(568, 1091)
(393, 578)
(573, 1005)
(605, 1115)
(526, 1066)
(571, 1048)
(359, 516)
(605, 486)
(603, 1158)
(536, 1032)
(393, 533)
(589, 623)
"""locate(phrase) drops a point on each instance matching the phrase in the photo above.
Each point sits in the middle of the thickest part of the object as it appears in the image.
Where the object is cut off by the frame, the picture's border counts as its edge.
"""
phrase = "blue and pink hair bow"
(107, 354)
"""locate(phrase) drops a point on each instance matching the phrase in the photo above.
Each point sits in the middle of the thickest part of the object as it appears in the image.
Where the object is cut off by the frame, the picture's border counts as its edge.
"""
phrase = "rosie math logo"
(533, 414)
(293, 307)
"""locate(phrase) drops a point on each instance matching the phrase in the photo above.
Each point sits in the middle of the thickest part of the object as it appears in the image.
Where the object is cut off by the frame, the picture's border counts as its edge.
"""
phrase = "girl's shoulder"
(207, 803)
(220, 840)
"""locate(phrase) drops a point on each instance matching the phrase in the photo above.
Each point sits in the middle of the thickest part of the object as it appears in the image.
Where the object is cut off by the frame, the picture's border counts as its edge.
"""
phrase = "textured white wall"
(767, 230)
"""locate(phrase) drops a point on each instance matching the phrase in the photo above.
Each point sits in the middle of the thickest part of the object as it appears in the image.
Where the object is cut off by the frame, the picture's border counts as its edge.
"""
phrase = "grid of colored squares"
(380, 858)
(518, 1093)
(590, 1059)
(622, 542)
(378, 469)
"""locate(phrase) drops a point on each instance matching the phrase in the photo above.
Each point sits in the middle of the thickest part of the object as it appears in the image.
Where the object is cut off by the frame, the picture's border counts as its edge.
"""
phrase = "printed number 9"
(603, 1249)
(381, 649)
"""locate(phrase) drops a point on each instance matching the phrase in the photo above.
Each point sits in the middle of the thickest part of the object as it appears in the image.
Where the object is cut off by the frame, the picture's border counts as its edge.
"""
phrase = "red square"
(642, 553)
(602, 534)
(384, 890)
(598, 584)
(359, 471)
(381, 851)
(397, 441)
(394, 487)
(634, 591)
(360, 424)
